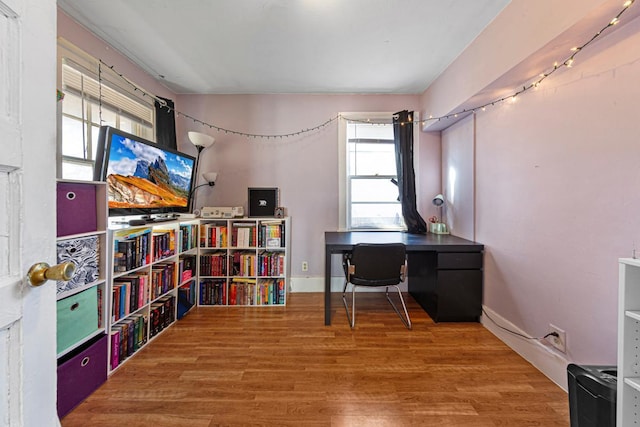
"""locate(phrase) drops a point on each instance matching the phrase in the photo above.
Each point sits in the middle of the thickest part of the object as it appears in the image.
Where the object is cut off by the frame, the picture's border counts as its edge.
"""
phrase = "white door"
(27, 211)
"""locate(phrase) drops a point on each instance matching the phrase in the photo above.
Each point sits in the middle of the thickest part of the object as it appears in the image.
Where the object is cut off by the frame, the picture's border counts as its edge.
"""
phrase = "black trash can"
(592, 395)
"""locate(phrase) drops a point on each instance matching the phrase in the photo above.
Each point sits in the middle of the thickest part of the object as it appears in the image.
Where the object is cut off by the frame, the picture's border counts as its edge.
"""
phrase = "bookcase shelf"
(628, 385)
(81, 239)
(147, 275)
(81, 223)
(244, 262)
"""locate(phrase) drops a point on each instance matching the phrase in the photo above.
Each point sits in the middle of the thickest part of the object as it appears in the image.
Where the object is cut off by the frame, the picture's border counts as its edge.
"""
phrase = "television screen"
(142, 178)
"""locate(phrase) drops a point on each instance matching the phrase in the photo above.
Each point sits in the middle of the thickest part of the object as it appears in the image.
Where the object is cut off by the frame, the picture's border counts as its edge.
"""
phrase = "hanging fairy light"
(566, 63)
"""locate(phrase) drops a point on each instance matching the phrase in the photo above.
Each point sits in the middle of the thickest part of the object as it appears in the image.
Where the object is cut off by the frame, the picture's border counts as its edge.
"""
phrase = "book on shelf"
(188, 236)
(213, 236)
(164, 243)
(131, 250)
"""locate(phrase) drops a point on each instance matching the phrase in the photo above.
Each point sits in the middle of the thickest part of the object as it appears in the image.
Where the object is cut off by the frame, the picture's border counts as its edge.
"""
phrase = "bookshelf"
(628, 384)
(81, 222)
(243, 262)
(152, 277)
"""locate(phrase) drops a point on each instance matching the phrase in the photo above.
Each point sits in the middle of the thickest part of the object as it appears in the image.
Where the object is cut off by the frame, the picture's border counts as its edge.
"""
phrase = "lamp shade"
(201, 139)
(210, 176)
(438, 200)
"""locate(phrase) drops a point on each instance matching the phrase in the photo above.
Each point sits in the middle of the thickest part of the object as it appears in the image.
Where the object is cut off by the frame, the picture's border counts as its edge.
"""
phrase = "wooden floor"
(282, 367)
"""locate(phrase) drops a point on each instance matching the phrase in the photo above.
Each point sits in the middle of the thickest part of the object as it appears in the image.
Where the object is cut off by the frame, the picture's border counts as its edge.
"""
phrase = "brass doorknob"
(41, 272)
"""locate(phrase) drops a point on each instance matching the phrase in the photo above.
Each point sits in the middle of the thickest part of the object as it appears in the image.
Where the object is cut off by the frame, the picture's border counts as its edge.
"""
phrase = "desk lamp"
(436, 225)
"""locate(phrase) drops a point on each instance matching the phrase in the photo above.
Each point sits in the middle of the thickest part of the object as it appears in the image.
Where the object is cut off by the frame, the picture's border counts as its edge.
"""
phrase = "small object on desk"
(438, 228)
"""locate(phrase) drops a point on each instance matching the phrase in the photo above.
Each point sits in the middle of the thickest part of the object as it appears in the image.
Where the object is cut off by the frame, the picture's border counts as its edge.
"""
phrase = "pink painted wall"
(557, 191)
(458, 177)
(85, 40)
(521, 28)
(557, 178)
(304, 168)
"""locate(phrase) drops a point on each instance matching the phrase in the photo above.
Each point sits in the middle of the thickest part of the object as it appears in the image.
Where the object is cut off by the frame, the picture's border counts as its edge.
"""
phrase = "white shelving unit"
(628, 384)
(144, 281)
(244, 262)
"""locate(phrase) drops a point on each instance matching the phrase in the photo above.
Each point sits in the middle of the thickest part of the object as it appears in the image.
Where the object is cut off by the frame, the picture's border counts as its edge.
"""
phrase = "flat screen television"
(142, 177)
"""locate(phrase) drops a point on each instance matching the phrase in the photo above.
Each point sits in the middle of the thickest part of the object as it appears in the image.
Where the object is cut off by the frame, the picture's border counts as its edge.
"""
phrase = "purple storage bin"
(81, 375)
(76, 208)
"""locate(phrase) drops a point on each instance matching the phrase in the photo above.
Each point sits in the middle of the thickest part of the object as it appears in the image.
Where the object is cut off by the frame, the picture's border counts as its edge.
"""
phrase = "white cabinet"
(244, 262)
(628, 392)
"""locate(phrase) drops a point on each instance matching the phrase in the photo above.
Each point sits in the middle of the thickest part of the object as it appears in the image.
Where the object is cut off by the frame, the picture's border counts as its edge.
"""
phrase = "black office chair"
(375, 265)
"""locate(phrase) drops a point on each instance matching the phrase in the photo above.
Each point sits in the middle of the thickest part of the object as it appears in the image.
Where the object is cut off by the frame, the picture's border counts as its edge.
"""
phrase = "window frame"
(79, 61)
(345, 202)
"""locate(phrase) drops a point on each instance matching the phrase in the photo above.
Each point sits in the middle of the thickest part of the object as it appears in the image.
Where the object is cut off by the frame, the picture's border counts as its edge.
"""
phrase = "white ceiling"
(288, 46)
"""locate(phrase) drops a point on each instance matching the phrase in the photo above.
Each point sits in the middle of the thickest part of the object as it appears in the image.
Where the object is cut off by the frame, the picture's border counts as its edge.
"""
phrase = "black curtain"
(166, 124)
(403, 138)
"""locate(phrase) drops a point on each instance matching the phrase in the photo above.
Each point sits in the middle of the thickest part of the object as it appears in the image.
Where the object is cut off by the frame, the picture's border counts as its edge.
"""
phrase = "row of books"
(213, 292)
(264, 292)
(188, 236)
(243, 264)
(213, 236)
(268, 234)
(242, 292)
(162, 279)
(214, 264)
(271, 263)
(132, 333)
(244, 235)
(186, 267)
(271, 234)
(127, 337)
(131, 251)
(164, 244)
(163, 314)
(129, 293)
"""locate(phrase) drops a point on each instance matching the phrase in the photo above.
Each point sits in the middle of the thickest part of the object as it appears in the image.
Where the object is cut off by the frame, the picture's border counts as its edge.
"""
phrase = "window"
(93, 98)
(371, 197)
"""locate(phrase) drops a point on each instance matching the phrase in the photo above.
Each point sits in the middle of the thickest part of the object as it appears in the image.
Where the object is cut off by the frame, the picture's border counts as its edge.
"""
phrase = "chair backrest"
(377, 264)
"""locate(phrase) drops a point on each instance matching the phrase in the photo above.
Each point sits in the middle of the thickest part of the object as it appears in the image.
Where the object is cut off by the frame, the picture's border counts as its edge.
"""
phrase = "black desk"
(444, 271)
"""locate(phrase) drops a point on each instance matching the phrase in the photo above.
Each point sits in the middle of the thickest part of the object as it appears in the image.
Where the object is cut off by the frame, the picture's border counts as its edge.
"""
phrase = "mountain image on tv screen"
(146, 177)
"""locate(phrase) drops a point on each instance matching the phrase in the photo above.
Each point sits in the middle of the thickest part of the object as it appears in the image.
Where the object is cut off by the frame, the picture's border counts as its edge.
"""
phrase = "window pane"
(126, 124)
(95, 132)
(72, 105)
(369, 131)
(108, 116)
(72, 138)
(147, 132)
(373, 190)
(72, 170)
(378, 215)
(373, 159)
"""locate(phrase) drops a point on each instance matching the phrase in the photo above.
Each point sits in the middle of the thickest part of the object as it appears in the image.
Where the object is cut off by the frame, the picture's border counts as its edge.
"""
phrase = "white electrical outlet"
(305, 266)
(559, 342)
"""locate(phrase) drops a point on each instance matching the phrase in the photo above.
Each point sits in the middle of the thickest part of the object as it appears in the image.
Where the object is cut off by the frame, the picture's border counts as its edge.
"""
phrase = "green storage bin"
(77, 318)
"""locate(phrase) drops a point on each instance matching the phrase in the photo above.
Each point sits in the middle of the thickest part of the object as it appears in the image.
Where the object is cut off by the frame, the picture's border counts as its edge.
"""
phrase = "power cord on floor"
(550, 334)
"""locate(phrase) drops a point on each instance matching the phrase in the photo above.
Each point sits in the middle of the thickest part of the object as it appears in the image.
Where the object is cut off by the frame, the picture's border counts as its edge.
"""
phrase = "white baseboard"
(544, 358)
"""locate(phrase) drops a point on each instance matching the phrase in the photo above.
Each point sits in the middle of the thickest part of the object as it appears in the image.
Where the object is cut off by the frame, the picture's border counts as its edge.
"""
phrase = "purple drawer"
(81, 375)
(76, 208)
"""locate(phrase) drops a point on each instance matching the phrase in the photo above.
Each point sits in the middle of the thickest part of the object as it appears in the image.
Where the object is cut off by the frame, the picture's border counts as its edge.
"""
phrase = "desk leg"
(327, 287)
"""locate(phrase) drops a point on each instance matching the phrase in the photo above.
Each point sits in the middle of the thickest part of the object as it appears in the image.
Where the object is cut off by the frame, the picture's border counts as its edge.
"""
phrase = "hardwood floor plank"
(280, 366)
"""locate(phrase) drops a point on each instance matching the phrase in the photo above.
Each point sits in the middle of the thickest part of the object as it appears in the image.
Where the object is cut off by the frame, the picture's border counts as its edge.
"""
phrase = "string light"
(568, 63)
